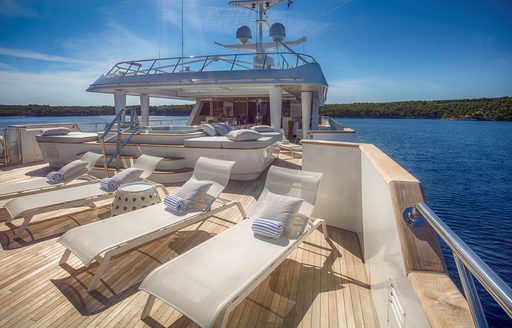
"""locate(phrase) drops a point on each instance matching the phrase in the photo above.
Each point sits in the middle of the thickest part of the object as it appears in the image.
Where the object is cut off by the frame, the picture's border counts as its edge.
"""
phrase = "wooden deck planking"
(323, 283)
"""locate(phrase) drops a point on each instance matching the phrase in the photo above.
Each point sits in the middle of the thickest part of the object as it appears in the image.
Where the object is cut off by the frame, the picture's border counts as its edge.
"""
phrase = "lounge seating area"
(214, 140)
(40, 184)
(320, 282)
(26, 207)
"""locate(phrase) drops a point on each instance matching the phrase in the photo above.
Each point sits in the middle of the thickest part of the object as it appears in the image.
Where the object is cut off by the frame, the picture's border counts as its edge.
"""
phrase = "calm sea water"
(465, 168)
(466, 171)
(85, 122)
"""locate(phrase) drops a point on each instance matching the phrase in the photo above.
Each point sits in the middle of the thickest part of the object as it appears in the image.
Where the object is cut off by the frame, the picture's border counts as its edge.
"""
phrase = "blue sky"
(50, 51)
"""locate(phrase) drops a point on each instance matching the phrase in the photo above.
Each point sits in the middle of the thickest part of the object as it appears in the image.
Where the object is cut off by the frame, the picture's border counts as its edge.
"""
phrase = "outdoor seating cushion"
(243, 135)
(209, 129)
(71, 137)
(128, 175)
(224, 142)
(205, 142)
(56, 131)
(262, 128)
(74, 169)
(276, 136)
(283, 209)
(249, 144)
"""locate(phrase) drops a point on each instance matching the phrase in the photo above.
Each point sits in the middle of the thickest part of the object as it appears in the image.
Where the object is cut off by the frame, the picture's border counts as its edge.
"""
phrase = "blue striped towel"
(175, 204)
(267, 228)
(55, 177)
(109, 184)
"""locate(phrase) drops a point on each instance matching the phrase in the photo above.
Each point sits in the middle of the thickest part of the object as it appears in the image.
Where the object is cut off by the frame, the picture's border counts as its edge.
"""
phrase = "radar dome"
(243, 34)
(277, 32)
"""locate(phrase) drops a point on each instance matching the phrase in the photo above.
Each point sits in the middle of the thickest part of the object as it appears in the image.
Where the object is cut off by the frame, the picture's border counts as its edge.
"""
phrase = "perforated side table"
(133, 196)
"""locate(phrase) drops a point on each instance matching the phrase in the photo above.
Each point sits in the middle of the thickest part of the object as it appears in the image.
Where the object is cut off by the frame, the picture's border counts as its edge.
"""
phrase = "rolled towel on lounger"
(176, 204)
(55, 177)
(109, 184)
(267, 228)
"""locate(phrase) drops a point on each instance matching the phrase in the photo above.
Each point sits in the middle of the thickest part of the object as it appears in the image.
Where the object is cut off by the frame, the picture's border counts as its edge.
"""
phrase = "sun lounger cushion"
(74, 169)
(71, 137)
(57, 131)
(267, 228)
(176, 204)
(283, 209)
(55, 177)
(262, 128)
(243, 135)
(128, 175)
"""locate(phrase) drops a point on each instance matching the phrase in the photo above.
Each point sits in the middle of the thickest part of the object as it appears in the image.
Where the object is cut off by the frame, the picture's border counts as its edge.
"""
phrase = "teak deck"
(323, 283)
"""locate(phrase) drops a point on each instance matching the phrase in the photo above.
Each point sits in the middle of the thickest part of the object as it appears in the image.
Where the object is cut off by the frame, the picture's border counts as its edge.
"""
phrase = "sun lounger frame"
(230, 304)
(119, 249)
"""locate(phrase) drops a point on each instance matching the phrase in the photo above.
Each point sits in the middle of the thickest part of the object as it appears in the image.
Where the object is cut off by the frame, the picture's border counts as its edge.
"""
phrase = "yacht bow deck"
(323, 283)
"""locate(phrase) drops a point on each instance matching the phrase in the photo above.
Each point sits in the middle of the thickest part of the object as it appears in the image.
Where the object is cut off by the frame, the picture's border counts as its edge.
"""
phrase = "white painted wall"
(339, 198)
(354, 196)
(382, 252)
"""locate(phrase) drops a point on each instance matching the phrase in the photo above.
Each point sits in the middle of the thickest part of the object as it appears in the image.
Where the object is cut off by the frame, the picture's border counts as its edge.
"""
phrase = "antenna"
(181, 28)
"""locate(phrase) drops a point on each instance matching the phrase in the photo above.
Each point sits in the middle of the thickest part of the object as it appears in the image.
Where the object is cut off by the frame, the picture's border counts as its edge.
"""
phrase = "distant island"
(496, 109)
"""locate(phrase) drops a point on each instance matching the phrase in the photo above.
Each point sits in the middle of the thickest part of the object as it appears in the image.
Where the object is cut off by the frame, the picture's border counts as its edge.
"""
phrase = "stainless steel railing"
(223, 62)
(468, 264)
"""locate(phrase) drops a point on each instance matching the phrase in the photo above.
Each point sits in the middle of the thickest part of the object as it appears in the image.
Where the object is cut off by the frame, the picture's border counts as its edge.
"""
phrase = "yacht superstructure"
(264, 83)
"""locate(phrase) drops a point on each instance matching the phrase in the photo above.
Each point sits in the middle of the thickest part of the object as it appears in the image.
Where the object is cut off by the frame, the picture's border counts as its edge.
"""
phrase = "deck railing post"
(468, 285)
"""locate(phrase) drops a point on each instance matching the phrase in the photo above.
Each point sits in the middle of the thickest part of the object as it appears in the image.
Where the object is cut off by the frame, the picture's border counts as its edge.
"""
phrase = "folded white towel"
(176, 204)
(267, 228)
(109, 184)
(55, 177)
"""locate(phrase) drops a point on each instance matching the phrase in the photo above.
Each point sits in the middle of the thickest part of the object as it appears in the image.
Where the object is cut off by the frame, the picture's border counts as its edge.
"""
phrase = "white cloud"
(94, 54)
(54, 88)
(66, 85)
(58, 88)
(20, 53)
(5, 67)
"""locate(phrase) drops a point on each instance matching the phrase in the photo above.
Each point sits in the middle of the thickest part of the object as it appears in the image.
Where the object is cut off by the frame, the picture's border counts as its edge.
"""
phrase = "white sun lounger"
(209, 281)
(82, 195)
(103, 239)
(40, 184)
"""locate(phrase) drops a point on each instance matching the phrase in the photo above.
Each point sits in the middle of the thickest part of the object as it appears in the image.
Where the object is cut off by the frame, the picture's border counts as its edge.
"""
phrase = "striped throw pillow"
(175, 204)
(267, 228)
(55, 177)
(109, 184)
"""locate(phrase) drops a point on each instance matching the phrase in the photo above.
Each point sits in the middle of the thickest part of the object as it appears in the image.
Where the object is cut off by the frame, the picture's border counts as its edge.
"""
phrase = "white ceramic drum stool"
(133, 196)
